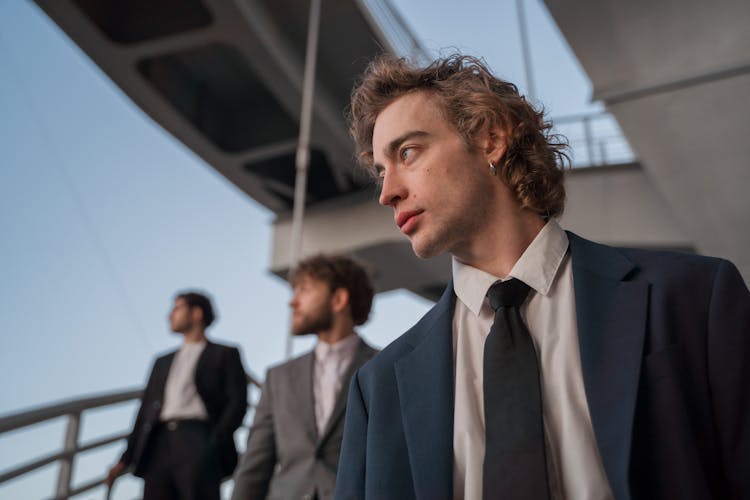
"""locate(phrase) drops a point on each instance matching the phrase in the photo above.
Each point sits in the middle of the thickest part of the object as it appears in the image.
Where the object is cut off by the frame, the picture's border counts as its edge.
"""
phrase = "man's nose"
(392, 190)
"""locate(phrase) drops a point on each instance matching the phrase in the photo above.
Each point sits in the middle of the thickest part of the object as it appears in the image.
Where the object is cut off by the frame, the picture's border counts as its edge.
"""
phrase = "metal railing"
(595, 139)
(73, 411)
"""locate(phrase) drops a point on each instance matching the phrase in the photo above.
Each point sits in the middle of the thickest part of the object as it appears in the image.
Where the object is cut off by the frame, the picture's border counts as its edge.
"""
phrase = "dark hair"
(339, 271)
(472, 100)
(201, 301)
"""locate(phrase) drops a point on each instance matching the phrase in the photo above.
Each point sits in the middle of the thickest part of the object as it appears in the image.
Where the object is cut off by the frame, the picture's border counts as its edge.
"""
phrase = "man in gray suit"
(294, 443)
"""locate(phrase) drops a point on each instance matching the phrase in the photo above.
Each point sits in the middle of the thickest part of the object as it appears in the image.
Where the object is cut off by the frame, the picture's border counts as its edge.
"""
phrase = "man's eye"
(405, 153)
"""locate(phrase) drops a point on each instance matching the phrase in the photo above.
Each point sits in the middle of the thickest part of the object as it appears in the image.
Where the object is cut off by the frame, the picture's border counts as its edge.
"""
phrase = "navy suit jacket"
(665, 352)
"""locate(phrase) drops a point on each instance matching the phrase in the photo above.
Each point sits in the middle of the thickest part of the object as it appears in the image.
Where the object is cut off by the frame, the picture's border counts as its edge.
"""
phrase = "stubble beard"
(452, 233)
(431, 239)
(321, 320)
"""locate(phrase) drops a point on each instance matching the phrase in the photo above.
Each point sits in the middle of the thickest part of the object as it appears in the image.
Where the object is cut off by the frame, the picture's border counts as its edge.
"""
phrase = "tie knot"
(510, 293)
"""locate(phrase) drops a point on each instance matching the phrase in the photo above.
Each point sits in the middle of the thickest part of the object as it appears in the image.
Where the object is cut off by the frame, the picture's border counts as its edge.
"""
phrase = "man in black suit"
(182, 442)
(552, 366)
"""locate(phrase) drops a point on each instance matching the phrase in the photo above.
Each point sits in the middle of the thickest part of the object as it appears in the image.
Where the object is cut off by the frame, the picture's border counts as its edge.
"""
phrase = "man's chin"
(302, 329)
(301, 333)
(426, 250)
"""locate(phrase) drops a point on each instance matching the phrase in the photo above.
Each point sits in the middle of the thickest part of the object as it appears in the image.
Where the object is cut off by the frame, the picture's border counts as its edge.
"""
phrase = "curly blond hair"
(472, 100)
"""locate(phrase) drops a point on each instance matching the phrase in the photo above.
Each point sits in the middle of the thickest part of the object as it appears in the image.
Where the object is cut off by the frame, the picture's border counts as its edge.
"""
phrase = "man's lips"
(406, 220)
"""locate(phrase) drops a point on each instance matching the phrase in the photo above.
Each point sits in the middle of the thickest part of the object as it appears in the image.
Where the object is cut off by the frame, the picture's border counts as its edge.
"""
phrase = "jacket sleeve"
(350, 481)
(729, 375)
(253, 475)
(140, 419)
(235, 388)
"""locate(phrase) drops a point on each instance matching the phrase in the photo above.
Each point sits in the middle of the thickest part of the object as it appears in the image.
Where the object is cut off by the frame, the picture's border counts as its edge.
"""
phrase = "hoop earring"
(493, 168)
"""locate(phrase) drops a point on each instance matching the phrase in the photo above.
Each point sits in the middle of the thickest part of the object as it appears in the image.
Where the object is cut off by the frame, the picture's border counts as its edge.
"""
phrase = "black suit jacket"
(222, 385)
(664, 340)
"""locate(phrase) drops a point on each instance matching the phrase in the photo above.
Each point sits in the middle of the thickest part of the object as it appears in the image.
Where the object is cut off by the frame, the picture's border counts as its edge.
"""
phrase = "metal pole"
(302, 160)
(588, 136)
(65, 473)
(525, 49)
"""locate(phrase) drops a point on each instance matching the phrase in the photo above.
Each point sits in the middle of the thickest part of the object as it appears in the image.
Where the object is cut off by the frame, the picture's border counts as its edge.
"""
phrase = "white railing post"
(70, 446)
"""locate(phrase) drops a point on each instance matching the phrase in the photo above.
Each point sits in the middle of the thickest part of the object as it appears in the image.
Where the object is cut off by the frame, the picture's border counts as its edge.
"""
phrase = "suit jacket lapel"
(362, 354)
(161, 377)
(204, 358)
(425, 386)
(611, 314)
(303, 393)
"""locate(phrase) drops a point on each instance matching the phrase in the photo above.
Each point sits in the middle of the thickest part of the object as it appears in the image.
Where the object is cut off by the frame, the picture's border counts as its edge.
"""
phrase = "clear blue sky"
(103, 216)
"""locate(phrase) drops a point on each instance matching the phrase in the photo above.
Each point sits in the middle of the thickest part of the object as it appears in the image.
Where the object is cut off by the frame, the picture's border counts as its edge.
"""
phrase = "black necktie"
(514, 462)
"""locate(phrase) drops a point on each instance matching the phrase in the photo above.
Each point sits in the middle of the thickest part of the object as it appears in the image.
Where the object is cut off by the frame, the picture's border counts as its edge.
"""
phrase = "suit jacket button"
(147, 427)
(157, 405)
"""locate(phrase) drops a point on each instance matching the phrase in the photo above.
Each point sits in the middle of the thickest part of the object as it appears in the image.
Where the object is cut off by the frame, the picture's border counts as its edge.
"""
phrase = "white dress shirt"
(574, 466)
(181, 398)
(331, 362)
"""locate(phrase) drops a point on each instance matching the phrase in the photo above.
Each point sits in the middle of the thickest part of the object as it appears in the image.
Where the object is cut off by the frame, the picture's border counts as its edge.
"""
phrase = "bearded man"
(294, 443)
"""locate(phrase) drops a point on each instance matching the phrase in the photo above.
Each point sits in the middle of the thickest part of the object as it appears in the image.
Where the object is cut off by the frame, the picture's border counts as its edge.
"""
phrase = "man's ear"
(340, 299)
(196, 314)
(493, 143)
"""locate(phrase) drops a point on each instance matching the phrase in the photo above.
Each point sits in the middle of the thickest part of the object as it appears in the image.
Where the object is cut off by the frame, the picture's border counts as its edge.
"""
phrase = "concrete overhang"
(676, 75)
(225, 78)
(615, 205)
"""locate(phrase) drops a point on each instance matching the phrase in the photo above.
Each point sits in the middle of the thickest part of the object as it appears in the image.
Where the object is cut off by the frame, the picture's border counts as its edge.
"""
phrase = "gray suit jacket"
(285, 457)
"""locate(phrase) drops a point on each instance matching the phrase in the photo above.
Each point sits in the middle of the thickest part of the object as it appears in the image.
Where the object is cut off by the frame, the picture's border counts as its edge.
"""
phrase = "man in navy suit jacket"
(642, 355)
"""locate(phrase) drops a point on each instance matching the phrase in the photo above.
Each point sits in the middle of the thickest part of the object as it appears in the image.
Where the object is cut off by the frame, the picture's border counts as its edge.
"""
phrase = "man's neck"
(194, 336)
(497, 249)
(335, 334)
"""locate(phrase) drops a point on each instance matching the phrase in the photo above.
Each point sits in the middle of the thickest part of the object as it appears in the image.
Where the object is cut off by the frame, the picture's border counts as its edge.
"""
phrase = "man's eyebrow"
(390, 150)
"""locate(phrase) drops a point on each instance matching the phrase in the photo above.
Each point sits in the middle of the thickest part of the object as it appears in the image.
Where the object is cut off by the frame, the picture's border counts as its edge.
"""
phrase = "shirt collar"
(537, 267)
(193, 346)
(342, 348)
(471, 285)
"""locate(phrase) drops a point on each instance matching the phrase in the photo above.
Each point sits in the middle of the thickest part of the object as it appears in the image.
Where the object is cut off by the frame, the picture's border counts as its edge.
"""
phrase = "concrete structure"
(676, 75)
(616, 204)
(225, 78)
